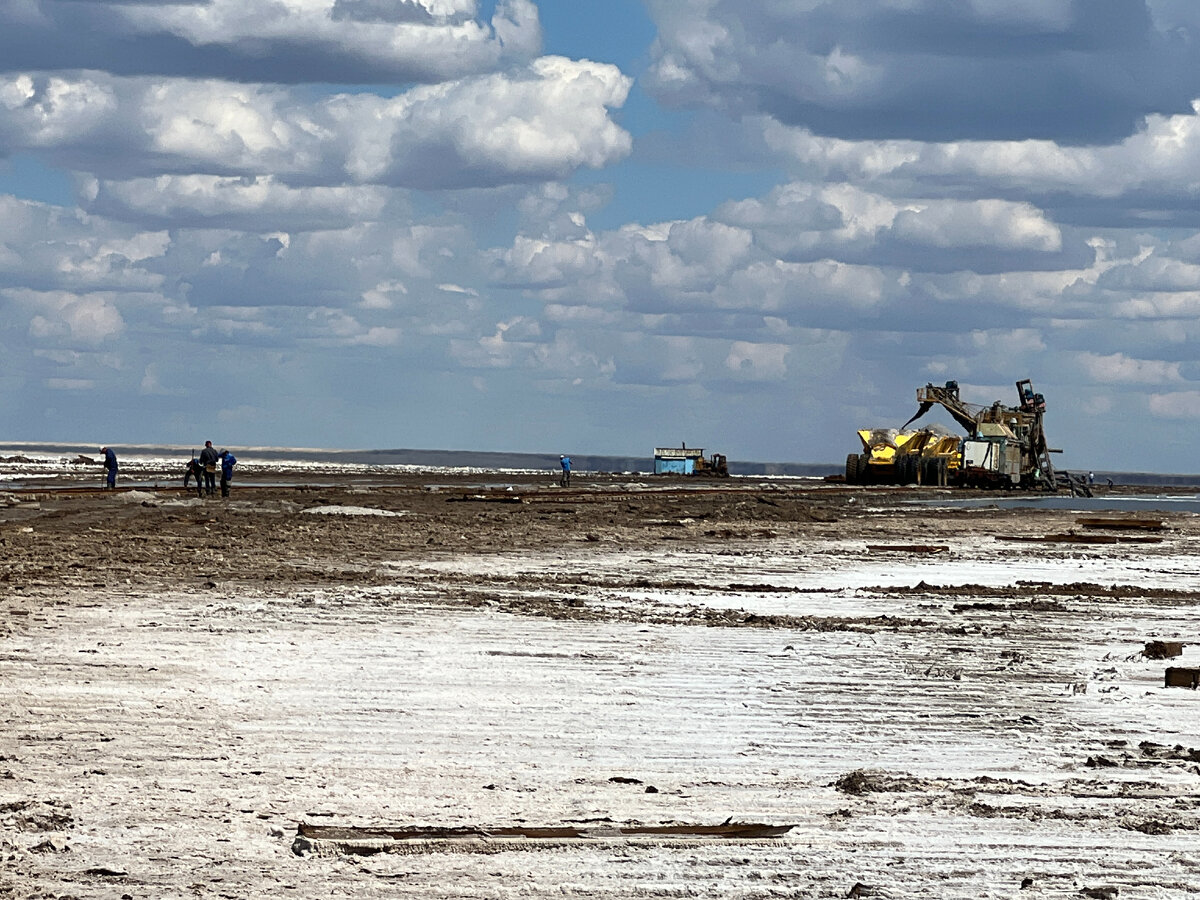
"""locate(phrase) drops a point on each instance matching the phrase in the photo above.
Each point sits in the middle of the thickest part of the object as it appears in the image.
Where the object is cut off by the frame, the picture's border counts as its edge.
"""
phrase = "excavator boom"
(965, 414)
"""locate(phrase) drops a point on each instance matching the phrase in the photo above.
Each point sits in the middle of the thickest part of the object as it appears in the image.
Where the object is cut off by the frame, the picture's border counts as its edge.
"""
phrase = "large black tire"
(852, 468)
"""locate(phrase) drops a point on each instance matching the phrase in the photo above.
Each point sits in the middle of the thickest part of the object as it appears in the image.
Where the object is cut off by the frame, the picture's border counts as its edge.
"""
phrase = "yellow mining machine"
(903, 457)
(1005, 446)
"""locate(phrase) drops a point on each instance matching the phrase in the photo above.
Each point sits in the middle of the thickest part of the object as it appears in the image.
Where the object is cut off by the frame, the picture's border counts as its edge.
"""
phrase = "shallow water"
(1173, 503)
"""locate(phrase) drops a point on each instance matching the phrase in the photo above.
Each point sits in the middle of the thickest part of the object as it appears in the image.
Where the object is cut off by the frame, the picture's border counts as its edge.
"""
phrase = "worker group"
(203, 468)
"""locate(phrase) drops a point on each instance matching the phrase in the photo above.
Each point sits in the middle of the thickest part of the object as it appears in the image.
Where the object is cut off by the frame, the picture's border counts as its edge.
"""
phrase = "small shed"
(676, 460)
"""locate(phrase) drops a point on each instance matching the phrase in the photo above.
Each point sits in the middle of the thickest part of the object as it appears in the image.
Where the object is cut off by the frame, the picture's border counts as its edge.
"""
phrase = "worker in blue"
(565, 462)
(110, 465)
(208, 460)
(228, 461)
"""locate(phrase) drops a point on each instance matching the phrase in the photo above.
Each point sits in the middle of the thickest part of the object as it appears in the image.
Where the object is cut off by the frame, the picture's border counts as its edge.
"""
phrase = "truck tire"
(852, 468)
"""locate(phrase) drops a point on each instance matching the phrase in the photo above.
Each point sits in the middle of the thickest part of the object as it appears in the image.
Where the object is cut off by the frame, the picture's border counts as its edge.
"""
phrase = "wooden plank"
(1079, 539)
(908, 548)
(486, 498)
(342, 833)
(1122, 524)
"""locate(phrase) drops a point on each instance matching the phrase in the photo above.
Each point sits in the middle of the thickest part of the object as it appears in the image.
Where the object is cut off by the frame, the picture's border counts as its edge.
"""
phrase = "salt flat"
(944, 725)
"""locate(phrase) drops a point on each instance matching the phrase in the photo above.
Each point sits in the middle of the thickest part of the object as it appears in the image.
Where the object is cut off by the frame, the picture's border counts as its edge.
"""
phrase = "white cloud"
(377, 336)
(457, 289)
(284, 40)
(1008, 345)
(151, 383)
(49, 111)
(978, 223)
(757, 362)
(67, 318)
(537, 123)
(923, 68)
(793, 287)
(239, 202)
(1117, 368)
(70, 384)
(541, 263)
(46, 245)
(1177, 405)
(1157, 160)
(1177, 305)
(383, 295)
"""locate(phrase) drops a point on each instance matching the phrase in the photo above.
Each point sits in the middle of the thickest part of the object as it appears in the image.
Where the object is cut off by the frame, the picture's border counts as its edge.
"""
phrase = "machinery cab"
(1030, 400)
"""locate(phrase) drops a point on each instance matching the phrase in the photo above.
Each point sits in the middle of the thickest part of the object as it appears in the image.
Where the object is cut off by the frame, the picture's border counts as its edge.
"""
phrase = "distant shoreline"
(491, 459)
(477, 459)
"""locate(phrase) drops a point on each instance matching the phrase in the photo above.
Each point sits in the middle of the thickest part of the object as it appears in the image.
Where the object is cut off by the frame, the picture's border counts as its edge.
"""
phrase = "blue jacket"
(566, 463)
(110, 460)
(228, 461)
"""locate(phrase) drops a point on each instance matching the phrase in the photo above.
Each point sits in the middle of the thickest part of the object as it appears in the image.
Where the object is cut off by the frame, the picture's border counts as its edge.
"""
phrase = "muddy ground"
(936, 708)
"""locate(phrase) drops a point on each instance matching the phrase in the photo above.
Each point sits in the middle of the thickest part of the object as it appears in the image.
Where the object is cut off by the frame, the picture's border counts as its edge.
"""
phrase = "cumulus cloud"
(977, 223)
(927, 69)
(1117, 368)
(1176, 405)
(519, 343)
(757, 362)
(41, 244)
(212, 201)
(66, 318)
(1150, 169)
(335, 41)
(538, 123)
(532, 262)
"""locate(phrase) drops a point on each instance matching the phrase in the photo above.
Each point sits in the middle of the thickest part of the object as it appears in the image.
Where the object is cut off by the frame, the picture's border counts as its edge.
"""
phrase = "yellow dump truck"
(904, 457)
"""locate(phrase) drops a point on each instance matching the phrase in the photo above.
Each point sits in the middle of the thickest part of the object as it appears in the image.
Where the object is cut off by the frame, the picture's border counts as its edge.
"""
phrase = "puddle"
(1175, 503)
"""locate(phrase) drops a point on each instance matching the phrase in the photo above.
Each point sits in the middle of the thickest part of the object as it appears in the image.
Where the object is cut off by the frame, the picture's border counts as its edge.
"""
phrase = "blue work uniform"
(228, 461)
(110, 464)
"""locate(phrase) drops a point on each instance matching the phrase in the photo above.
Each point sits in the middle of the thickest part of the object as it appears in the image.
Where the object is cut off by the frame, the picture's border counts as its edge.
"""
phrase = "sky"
(598, 226)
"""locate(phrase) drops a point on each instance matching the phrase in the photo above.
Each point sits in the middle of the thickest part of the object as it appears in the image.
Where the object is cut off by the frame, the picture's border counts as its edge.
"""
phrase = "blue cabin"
(676, 460)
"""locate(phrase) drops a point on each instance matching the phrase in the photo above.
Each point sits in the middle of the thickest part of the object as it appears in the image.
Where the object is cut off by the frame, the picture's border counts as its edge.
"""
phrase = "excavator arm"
(946, 396)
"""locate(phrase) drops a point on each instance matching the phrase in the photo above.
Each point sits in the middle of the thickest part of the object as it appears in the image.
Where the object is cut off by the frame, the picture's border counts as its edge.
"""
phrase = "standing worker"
(228, 461)
(208, 461)
(110, 466)
(565, 462)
